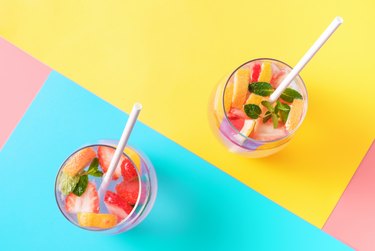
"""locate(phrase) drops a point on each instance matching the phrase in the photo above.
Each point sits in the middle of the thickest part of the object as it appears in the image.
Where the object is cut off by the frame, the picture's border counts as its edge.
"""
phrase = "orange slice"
(228, 94)
(296, 110)
(266, 72)
(96, 220)
(79, 161)
(241, 83)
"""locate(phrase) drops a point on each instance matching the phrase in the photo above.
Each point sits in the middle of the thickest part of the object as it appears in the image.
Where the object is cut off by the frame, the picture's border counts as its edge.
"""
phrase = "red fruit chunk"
(256, 72)
(88, 202)
(129, 191)
(105, 154)
(128, 170)
(237, 113)
(237, 118)
(237, 123)
(117, 205)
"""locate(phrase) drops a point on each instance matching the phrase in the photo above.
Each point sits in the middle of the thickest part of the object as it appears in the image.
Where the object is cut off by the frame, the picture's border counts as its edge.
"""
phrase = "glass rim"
(265, 141)
(135, 205)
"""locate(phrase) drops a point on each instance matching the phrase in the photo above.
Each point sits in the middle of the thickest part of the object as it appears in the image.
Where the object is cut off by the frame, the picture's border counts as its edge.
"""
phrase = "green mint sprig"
(252, 111)
(263, 89)
(84, 179)
(283, 110)
(66, 183)
(93, 169)
(272, 112)
(278, 112)
(290, 94)
(81, 185)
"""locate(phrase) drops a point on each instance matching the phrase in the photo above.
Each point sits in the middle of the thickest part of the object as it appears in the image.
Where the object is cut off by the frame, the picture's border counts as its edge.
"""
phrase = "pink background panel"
(21, 76)
(353, 219)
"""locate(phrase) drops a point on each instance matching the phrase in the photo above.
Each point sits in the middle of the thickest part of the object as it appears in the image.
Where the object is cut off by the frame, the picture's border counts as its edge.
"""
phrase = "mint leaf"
(277, 107)
(266, 117)
(97, 174)
(66, 183)
(275, 120)
(93, 169)
(290, 94)
(284, 113)
(81, 186)
(252, 111)
(282, 107)
(268, 105)
(261, 88)
(94, 164)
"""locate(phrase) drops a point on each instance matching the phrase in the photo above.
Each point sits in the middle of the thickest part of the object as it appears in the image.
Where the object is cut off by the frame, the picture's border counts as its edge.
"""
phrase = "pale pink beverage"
(244, 119)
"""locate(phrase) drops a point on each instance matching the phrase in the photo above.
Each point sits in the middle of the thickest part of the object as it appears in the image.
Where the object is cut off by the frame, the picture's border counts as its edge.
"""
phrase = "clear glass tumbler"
(263, 140)
(128, 199)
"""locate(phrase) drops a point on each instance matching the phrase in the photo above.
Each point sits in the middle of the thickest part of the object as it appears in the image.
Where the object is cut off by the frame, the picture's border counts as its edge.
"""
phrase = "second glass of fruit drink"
(127, 200)
(243, 118)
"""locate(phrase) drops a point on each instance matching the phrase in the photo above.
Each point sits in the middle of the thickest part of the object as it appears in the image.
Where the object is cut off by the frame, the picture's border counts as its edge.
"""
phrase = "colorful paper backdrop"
(170, 54)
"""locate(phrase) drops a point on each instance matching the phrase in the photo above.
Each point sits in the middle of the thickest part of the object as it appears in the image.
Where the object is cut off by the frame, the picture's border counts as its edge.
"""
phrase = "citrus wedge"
(96, 220)
(228, 94)
(254, 99)
(241, 83)
(296, 110)
(79, 161)
(248, 127)
(266, 72)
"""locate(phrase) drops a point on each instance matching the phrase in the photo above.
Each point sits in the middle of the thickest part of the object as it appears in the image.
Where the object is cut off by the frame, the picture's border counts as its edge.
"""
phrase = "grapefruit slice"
(241, 83)
(255, 72)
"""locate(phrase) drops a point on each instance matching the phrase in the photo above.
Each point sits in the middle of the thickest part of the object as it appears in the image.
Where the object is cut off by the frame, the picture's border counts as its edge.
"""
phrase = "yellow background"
(169, 55)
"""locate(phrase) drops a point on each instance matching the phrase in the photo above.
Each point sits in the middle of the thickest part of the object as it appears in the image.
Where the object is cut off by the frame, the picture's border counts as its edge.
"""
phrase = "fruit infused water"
(127, 200)
(245, 120)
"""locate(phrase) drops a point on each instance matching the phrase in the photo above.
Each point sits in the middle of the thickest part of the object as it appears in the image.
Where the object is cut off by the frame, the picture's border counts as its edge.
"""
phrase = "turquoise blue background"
(198, 207)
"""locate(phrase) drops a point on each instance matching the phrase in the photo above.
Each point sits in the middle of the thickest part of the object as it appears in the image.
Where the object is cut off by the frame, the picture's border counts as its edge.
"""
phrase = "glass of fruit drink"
(243, 118)
(127, 200)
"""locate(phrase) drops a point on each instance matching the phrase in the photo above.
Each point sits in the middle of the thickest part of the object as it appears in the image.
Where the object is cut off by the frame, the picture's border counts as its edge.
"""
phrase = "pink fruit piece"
(105, 154)
(88, 202)
(117, 205)
(255, 72)
(129, 191)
